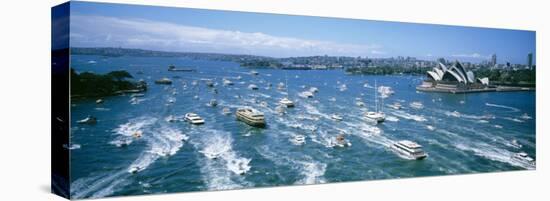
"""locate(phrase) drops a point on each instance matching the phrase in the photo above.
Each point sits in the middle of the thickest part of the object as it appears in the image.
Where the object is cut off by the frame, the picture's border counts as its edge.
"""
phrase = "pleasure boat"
(227, 82)
(299, 139)
(253, 87)
(254, 72)
(212, 155)
(332, 99)
(135, 169)
(163, 81)
(280, 110)
(99, 101)
(343, 87)
(360, 104)
(213, 103)
(251, 117)
(306, 94)
(409, 150)
(286, 102)
(396, 106)
(339, 141)
(417, 105)
(516, 144)
(193, 118)
(313, 89)
(226, 111)
(209, 83)
(524, 158)
(336, 117)
(280, 86)
(376, 116)
(88, 120)
(525, 116)
(137, 134)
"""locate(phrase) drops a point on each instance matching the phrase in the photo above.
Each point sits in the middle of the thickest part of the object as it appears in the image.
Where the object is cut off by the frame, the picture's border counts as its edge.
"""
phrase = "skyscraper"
(493, 60)
(530, 60)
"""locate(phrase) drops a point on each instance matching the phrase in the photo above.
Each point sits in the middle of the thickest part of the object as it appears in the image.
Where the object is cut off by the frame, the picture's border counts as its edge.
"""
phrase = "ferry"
(409, 149)
(286, 102)
(251, 117)
(163, 81)
(193, 118)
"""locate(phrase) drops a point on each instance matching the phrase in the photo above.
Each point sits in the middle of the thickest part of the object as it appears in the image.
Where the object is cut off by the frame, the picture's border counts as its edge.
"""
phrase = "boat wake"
(312, 172)
(512, 109)
(221, 164)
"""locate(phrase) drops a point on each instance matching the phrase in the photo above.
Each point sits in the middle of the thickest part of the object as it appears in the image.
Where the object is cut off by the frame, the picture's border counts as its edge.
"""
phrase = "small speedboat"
(396, 105)
(524, 158)
(417, 105)
(299, 139)
(525, 116)
(88, 120)
(213, 103)
(138, 134)
(336, 117)
(360, 104)
(306, 94)
(135, 169)
(99, 101)
(254, 72)
(286, 102)
(253, 87)
(226, 111)
(339, 141)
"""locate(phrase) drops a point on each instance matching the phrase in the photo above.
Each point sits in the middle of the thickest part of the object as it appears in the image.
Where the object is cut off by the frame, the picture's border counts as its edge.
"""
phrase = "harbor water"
(461, 133)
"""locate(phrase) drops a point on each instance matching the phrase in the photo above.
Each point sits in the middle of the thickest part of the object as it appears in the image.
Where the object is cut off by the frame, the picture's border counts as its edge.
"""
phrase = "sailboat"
(377, 115)
(285, 101)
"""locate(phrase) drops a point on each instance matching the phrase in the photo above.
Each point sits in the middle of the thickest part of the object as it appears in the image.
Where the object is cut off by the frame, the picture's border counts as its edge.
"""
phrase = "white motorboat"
(193, 118)
(396, 106)
(408, 149)
(525, 116)
(253, 87)
(524, 158)
(163, 81)
(286, 102)
(134, 169)
(213, 103)
(306, 94)
(298, 140)
(226, 111)
(313, 89)
(209, 83)
(417, 105)
(99, 101)
(88, 120)
(376, 116)
(339, 141)
(227, 82)
(360, 104)
(336, 117)
(253, 72)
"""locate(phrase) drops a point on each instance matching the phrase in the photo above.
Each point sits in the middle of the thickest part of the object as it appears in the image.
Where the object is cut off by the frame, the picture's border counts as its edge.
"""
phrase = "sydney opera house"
(453, 79)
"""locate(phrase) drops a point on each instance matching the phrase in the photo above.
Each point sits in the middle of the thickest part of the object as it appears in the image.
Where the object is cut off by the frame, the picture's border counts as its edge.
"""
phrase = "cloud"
(101, 31)
(472, 56)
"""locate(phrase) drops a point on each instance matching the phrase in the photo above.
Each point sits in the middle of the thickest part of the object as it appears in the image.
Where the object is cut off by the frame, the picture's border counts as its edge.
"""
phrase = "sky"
(200, 30)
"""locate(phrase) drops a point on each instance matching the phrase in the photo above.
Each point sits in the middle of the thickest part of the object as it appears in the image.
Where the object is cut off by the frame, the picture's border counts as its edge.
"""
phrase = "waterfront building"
(453, 78)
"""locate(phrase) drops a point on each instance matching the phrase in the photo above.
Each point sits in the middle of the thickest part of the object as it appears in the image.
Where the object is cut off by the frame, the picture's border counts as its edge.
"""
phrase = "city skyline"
(197, 30)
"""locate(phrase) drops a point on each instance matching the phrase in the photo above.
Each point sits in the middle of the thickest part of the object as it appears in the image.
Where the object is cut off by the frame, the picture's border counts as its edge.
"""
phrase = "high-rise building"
(530, 60)
(493, 59)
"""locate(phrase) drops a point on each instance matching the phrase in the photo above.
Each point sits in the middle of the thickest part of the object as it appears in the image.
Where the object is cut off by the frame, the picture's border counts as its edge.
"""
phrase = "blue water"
(476, 138)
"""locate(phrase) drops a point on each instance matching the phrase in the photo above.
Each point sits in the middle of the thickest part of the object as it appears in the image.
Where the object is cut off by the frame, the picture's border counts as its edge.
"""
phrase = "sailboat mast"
(375, 95)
